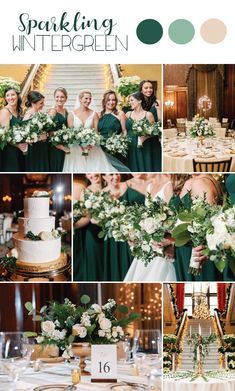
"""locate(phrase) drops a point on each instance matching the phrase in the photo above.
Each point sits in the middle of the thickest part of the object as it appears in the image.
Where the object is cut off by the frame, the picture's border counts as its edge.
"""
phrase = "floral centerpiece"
(201, 129)
(126, 86)
(67, 323)
(192, 226)
(117, 144)
(143, 128)
(87, 138)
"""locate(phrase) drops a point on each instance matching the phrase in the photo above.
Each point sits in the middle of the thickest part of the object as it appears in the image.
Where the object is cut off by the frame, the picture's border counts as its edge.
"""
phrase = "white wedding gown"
(159, 269)
(96, 161)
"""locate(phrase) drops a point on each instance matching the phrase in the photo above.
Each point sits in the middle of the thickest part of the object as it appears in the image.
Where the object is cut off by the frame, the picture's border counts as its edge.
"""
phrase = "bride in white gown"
(160, 268)
(96, 161)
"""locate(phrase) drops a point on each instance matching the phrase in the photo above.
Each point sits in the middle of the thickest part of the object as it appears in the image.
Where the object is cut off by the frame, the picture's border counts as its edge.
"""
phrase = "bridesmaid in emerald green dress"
(88, 247)
(111, 119)
(117, 258)
(12, 155)
(151, 104)
(37, 159)
(197, 186)
(60, 116)
(230, 187)
(147, 158)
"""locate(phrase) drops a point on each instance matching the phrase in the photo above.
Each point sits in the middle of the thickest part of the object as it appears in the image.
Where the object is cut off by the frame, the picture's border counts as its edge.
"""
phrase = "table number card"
(104, 363)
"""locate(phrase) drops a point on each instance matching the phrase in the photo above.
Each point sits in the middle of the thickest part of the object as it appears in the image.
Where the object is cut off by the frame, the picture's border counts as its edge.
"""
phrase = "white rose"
(101, 333)
(79, 330)
(114, 334)
(105, 324)
(48, 327)
(146, 247)
(46, 235)
(148, 225)
(13, 253)
(88, 204)
(40, 339)
(96, 308)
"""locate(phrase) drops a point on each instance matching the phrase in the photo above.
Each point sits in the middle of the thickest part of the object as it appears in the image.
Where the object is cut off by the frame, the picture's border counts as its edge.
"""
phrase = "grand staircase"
(74, 78)
(212, 361)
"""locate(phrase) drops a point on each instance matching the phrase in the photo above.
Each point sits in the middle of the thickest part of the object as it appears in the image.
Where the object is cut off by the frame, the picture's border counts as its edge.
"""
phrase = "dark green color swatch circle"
(181, 31)
(149, 31)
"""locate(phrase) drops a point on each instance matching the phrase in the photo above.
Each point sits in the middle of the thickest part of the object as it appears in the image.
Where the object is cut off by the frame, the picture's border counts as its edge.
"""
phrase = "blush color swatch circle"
(181, 31)
(213, 31)
(149, 31)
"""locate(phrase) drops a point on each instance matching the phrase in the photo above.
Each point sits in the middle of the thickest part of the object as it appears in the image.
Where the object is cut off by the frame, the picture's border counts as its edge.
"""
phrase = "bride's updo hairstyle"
(137, 95)
(83, 92)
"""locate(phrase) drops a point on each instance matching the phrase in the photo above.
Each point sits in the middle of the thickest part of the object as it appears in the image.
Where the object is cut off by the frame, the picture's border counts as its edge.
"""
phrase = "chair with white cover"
(220, 132)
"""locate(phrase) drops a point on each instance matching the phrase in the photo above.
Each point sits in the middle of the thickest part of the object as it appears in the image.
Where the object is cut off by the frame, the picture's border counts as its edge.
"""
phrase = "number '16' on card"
(104, 363)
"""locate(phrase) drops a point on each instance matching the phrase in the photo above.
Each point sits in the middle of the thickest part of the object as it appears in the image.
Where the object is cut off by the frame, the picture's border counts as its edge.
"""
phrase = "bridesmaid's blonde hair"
(178, 181)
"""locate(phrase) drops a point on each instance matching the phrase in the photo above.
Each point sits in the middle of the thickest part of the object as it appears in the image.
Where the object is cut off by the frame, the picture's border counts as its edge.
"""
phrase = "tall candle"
(210, 330)
(190, 330)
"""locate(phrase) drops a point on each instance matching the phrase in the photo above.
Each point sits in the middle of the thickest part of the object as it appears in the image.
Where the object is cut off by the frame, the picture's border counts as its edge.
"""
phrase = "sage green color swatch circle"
(149, 31)
(181, 31)
(213, 31)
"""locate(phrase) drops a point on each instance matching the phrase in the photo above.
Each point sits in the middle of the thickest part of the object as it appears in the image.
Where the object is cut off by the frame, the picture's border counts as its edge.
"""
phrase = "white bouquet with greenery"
(201, 128)
(143, 128)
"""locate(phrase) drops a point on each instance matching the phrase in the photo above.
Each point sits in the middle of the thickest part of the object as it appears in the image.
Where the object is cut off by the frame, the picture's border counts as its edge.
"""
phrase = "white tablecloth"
(61, 374)
(199, 385)
(186, 149)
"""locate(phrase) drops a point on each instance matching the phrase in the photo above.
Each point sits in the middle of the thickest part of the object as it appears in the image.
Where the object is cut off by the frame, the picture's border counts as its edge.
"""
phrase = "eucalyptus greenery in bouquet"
(3, 138)
(117, 144)
(87, 138)
(144, 128)
(40, 123)
(63, 324)
(64, 136)
(192, 226)
(221, 239)
(151, 228)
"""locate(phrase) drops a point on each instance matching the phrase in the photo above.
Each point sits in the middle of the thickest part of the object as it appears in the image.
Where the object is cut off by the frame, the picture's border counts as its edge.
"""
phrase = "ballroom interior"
(206, 89)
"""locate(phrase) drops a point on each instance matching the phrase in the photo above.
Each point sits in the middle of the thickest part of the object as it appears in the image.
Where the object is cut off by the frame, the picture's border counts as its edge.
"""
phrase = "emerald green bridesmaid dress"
(117, 257)
(153, 110)
(107, 125)
(145, 159)
(182, 259)
(78, 253)
(13, 160)
(56, 156)
(230, 187)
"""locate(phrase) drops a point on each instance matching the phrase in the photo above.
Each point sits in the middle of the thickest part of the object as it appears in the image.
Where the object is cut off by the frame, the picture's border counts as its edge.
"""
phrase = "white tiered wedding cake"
(37, 241)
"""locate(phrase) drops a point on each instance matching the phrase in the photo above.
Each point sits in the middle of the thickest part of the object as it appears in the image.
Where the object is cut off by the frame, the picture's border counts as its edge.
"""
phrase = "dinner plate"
(54, 387)
(52, 360)
(127, 387)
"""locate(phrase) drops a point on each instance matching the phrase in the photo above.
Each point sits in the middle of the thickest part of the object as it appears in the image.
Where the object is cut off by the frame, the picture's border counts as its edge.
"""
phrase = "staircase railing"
(182, 323)
(115, 72)
(28, 82)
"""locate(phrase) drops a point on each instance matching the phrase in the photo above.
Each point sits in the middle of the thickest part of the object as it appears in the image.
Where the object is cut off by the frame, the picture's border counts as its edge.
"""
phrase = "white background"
(127, 13)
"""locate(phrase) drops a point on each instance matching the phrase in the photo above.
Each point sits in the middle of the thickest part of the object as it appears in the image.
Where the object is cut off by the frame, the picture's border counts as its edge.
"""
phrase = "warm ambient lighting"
(6, 198)
(169, 103)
